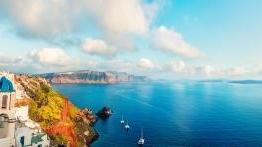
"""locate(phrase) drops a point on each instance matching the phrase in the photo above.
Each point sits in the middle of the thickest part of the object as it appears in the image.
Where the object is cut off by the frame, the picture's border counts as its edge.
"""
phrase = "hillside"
(60, 119)
(88, 76)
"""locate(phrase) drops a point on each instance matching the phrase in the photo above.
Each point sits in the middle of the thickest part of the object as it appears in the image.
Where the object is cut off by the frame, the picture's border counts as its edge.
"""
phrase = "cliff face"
(88, 76)
(59, 118)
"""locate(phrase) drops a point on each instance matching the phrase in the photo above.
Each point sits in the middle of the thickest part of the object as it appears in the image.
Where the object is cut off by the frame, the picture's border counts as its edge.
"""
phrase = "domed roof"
(6, 85)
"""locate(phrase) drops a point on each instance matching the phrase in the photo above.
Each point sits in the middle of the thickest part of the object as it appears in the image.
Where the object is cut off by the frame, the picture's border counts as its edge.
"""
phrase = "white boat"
(141, 141)
(122, 120)
(127, 126)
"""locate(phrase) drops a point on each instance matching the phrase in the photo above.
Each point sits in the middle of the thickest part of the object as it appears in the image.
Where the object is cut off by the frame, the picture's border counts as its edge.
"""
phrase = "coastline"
(95, 136)
(64, 122)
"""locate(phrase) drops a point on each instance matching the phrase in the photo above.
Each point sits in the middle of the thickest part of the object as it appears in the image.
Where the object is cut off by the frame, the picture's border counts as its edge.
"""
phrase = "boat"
(127, 126)
(122, 120)
(141, 141)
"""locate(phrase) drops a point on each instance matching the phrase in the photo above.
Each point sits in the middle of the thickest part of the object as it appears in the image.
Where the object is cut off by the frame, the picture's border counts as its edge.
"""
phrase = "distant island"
(232, 81)
(247, 82)
(89, 76)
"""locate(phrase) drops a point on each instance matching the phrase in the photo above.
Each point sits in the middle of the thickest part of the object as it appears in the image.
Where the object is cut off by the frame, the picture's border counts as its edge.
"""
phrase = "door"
(22, 140)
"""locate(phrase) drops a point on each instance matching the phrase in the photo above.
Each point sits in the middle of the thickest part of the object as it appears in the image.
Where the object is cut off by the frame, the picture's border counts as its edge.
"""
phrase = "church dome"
(6, 85)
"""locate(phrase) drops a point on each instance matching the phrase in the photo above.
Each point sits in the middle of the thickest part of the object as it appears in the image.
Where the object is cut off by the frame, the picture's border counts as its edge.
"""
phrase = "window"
(4, 101)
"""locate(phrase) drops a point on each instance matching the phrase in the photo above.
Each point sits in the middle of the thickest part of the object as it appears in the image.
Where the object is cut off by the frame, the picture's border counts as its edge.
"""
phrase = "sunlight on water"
(175, 114)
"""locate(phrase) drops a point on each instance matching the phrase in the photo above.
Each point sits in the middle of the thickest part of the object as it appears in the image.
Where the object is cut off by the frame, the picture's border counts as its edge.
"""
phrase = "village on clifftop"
(16, 129)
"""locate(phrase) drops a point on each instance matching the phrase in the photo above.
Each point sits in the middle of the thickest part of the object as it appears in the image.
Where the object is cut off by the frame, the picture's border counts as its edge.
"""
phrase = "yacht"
(141, 141)
(122, 120)
(127, 126)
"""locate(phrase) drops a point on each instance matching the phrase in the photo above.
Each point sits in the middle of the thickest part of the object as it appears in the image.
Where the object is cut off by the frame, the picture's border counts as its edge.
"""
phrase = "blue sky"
(158, 38)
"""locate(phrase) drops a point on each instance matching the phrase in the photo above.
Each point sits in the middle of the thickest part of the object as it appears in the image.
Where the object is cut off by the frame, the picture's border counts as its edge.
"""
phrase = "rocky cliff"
(64, 123)
(88, 76)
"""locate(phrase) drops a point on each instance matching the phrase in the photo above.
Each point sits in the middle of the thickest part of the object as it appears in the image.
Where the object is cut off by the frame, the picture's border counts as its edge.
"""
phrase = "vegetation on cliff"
(60, 119)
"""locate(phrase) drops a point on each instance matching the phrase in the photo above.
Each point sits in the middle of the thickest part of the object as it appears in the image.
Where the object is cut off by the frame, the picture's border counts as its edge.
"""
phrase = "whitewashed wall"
(26, 132)
(22, 113)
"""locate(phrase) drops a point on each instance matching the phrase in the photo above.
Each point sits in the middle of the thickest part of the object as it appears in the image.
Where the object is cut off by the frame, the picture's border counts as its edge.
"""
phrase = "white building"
(29, 137)
(7, 110)
(28, 133)
(16, 129)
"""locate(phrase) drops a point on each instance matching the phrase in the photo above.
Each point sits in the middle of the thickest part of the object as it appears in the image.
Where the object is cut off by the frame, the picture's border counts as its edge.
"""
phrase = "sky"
(162, 39)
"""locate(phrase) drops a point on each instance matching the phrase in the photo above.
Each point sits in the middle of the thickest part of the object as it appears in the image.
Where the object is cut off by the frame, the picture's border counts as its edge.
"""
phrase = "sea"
(173, 113)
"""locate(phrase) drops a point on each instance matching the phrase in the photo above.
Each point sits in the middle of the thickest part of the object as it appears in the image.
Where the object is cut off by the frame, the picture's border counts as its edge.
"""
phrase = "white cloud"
(203, 70)
(51, 56)
(14, 64)
(141, 67)
(236, 71)
(123, 20)
(56, 59)
(177, 66)
(145, 63)
(38, 18)
(206, 71)
(60, 21)
(173, 42)
(122, 16)
(44, 60)
(7, 60)
(45, 18)
(182, 68)
(116, 65)
(98, 47)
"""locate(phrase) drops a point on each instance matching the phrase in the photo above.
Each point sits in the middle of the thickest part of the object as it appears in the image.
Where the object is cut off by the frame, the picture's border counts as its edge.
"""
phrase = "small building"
(7, 112)
(16, 129)
(32, 138)
(28, 133)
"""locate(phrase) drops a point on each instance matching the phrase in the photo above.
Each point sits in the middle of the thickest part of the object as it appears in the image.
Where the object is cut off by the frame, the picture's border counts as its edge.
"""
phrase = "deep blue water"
(174, 113)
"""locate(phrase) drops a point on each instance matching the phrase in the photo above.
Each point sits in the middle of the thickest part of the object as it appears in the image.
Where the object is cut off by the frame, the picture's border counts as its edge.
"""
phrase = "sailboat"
(122, 120)
(127, 126)
(141, 141)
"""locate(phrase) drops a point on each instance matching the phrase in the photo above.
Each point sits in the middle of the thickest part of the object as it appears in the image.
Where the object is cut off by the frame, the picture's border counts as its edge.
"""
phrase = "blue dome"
(6, 85)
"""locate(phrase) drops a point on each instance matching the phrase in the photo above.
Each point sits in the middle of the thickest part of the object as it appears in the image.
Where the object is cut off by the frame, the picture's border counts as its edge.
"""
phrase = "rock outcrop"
(88, 76)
